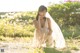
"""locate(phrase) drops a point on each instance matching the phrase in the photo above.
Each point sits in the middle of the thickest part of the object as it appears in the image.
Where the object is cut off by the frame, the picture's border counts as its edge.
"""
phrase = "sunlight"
(23, 5)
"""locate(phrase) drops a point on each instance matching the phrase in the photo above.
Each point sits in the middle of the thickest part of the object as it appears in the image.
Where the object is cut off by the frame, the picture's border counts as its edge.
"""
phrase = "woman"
(47, 31)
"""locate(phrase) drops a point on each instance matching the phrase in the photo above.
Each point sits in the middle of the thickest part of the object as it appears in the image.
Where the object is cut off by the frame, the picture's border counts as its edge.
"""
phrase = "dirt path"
(14, 47)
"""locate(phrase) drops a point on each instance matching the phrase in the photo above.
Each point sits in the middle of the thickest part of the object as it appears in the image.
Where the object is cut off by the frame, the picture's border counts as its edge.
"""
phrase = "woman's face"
(42, 13)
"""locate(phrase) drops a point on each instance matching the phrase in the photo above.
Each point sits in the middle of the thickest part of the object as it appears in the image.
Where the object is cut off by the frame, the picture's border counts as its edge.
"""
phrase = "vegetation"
(17, 25)
(67, 15)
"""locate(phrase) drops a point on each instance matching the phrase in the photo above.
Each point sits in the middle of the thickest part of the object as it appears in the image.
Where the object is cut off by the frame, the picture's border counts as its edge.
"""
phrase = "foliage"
(67, 15)
(20, 24)
(17, 25)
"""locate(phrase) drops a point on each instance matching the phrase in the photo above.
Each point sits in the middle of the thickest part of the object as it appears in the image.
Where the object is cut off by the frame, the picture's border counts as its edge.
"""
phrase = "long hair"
(41, 8)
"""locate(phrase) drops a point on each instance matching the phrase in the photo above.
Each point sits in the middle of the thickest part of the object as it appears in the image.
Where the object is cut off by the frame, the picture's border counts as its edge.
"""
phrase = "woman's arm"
(49, 26)
(36, 24)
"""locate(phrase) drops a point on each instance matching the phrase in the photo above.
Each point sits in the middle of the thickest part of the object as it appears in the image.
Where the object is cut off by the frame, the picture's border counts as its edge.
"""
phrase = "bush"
(67, 15)
(18, 26)
(71, 31)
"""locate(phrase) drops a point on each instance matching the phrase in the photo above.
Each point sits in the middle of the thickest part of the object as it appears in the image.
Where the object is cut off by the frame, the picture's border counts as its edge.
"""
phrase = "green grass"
(51, 50)
(48, 50)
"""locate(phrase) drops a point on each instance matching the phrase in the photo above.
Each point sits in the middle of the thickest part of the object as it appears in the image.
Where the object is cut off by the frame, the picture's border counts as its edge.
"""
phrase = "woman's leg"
(50, 41)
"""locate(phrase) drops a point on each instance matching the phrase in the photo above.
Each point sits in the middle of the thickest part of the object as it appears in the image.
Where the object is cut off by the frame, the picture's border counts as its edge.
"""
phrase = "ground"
(23, 45)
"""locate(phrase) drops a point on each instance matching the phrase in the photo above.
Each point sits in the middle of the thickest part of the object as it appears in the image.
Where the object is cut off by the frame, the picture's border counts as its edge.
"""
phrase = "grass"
(73, 44)
(15, 39)
(48, 50)
(51, 50)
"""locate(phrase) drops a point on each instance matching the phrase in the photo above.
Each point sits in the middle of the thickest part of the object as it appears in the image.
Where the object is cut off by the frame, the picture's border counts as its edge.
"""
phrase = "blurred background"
(16, 19)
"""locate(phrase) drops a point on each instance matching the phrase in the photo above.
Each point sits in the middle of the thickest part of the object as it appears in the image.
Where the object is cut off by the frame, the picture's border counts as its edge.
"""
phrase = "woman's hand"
(50, 32)
(37, 24)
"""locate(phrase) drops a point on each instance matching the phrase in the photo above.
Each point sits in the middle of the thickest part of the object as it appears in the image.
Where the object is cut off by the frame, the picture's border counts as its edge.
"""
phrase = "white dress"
(53, 40)
(41, 38)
